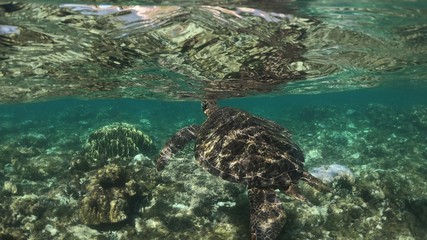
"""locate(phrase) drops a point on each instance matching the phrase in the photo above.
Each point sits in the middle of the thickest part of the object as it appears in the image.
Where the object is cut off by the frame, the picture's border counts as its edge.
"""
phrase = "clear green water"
(348, 80)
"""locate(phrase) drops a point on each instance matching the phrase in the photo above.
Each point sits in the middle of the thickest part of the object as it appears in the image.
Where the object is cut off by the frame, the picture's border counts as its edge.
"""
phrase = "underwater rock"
(82, 232)
(41, 167)
(11, 235)
(419, 117)
(418, 207)
(10, 187)
(330, 173)
(108, 197)
(36, 140)
(118, 140)
(143, 160)
(30, 208)
(193, 204)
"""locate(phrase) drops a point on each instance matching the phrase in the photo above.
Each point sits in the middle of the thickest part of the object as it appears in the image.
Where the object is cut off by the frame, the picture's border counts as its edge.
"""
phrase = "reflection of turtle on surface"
(242, 148)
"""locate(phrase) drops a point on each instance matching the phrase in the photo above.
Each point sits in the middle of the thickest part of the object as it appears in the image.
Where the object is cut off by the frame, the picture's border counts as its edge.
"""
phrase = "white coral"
(329, 173)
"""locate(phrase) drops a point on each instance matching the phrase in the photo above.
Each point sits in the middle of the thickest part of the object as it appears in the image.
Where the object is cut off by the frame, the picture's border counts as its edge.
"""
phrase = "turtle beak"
(207, 106)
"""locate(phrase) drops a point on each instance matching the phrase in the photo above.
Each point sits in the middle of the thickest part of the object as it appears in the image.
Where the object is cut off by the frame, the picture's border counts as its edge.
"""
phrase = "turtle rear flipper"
(315, 182)
(267, 214)
(175, 144)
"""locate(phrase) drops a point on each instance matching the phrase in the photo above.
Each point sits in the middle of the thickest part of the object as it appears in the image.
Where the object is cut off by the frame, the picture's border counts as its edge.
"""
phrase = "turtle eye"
(204, 106)
(208, 105)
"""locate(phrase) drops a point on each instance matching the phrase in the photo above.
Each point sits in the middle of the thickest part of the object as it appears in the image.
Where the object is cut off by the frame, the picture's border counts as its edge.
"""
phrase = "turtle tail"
(175, 144)
(267, 214)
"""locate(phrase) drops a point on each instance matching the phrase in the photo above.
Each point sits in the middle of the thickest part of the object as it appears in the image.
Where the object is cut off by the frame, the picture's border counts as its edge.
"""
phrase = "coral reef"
(108, 197)
(118, 140)
(47, 188)
(36, 140)
(188, 198)
(329, 173)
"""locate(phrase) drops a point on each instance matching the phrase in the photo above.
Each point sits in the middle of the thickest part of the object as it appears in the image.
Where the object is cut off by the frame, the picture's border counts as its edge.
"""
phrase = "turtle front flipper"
(175, 144)
(267, 214)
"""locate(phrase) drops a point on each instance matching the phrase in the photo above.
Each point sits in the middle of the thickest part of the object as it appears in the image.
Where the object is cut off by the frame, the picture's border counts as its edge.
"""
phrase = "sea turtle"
(242, 148)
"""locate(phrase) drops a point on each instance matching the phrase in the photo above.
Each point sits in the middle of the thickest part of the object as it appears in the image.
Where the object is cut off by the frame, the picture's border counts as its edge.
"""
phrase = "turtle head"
(209, 106)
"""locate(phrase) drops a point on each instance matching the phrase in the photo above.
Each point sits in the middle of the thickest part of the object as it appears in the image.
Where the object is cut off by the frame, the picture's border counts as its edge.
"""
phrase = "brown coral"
(108, 198)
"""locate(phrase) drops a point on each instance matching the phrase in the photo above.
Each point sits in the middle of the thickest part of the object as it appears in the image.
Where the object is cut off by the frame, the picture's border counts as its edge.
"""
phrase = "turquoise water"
(81, 84)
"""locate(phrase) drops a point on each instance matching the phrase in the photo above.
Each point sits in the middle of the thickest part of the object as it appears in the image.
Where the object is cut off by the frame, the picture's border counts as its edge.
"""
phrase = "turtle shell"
(240, 147)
